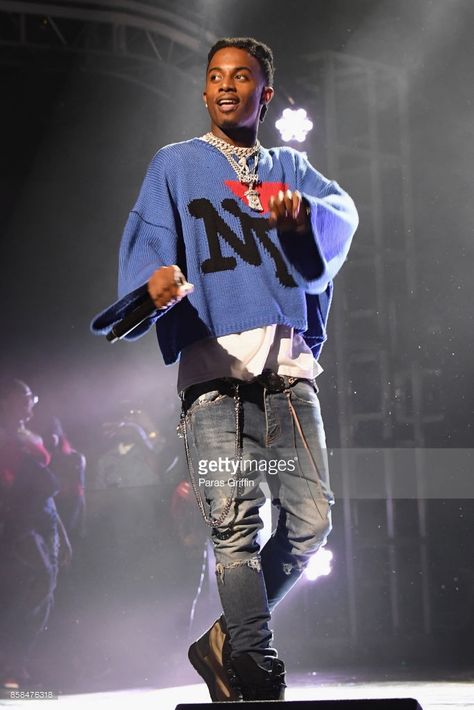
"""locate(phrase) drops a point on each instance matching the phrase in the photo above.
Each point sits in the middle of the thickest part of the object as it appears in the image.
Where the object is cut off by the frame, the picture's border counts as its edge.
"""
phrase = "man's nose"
(228, 84)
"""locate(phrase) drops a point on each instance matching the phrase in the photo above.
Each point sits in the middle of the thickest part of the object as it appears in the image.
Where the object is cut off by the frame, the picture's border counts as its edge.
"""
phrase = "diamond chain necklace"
(241, 167)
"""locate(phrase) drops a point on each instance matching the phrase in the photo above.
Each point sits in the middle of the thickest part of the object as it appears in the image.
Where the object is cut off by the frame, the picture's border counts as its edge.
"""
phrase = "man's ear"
(266, 97)
(267, 94)
(204, 98)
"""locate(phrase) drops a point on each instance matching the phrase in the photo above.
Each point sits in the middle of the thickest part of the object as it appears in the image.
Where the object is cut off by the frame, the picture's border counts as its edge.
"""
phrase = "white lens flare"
(319, 565)
(294, 125)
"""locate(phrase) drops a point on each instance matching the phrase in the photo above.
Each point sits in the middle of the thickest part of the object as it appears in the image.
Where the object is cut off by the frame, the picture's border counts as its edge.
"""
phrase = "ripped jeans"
(235, 440)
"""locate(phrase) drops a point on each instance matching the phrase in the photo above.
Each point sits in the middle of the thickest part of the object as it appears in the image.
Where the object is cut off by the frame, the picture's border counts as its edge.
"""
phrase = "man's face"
(235, 89)
(18, 405)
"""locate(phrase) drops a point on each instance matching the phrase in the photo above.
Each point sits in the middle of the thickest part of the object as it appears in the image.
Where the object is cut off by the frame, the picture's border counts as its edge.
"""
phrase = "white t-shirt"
(245, 355)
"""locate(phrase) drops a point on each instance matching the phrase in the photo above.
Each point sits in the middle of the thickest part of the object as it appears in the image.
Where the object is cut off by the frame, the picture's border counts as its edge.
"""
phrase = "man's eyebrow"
(235, 69)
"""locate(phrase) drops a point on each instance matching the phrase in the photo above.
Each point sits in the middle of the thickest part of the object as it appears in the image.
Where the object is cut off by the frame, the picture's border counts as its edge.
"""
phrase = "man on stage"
(237, 246)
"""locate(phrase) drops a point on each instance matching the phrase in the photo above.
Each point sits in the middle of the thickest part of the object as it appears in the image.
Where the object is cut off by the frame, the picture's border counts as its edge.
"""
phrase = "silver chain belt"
(183, 431)
(270, 381)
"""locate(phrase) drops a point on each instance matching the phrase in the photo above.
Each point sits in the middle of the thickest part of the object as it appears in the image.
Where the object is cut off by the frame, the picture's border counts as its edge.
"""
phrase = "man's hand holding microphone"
(167, 286)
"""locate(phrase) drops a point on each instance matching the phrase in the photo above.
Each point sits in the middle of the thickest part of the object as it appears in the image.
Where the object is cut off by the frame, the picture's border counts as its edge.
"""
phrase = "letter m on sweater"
(252, 228)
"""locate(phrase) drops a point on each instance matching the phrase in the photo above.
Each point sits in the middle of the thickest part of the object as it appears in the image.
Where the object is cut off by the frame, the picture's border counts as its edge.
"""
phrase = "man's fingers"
(278, 205)
(288, 203)
(175, 294)
(273, 210)
(296, 203)
(167, 297)
(286, 210)
(167, 285)
(185, 289)
(284, 204)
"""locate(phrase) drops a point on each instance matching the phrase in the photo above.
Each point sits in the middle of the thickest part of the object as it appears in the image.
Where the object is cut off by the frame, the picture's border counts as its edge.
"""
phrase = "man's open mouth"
(227, 101)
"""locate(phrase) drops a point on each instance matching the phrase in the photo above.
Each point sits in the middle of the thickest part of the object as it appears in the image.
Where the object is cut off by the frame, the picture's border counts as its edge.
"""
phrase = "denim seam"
(295, 421)
(269, 440)
(300, 399)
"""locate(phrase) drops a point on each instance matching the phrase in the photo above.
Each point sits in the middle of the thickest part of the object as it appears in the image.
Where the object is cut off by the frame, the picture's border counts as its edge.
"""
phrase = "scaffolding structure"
(383, 388)
(130, 40)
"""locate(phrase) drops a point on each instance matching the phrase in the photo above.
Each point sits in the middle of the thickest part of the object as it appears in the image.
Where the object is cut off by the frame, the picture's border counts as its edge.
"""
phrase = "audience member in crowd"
(33, 540)
(69, 466)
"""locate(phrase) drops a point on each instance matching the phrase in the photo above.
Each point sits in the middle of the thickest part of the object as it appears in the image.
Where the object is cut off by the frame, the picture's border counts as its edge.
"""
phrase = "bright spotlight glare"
(319, 565)
(294, 124)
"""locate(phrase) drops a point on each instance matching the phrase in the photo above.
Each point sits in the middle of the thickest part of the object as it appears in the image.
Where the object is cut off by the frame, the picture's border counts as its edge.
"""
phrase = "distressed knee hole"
(253, 563)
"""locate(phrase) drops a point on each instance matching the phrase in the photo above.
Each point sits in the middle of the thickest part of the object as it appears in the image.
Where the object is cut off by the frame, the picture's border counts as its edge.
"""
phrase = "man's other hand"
(167, 286)
(289, 212)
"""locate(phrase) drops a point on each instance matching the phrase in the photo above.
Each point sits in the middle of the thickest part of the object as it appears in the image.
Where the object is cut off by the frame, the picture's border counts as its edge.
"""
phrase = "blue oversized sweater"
(191, 212)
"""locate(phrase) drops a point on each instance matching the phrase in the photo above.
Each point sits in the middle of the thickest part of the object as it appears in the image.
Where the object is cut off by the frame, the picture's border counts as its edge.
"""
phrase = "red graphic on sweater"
(265, 191)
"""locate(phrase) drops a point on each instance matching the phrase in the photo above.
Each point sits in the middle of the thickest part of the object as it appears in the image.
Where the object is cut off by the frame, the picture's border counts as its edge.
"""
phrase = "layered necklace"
(237, 157)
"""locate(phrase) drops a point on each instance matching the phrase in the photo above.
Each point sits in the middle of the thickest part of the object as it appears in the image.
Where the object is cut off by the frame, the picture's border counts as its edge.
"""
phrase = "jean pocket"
(206, 399)
(305, 391)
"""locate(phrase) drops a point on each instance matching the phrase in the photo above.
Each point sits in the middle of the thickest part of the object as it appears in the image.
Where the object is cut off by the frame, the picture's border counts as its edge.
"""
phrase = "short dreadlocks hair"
(262, 53)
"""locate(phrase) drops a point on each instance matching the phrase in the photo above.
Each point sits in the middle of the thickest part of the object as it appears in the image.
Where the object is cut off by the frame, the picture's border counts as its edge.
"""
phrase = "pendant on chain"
(253, 199)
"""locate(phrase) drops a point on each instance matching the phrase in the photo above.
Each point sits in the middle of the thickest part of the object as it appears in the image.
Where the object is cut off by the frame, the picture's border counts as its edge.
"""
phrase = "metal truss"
(123, 38)
(383, 388)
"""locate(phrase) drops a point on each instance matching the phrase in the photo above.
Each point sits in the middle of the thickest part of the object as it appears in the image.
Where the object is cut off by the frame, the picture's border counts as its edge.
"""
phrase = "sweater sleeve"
(151, 233)
(150, 240)
(316, 257)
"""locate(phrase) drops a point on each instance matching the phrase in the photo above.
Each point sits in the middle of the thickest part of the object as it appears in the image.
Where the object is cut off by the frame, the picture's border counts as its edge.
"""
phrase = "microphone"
(146, 309)
(131, 320)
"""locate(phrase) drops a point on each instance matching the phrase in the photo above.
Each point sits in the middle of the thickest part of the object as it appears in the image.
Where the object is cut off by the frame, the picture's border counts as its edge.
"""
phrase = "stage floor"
(451, 694)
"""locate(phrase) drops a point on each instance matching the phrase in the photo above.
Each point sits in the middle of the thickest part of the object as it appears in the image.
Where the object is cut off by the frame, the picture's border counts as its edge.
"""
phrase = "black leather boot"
(210, 656)
(257, 683)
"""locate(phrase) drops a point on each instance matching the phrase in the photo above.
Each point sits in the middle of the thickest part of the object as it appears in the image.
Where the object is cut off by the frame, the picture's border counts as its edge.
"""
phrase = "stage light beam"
(319, 565)
(294, 125)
